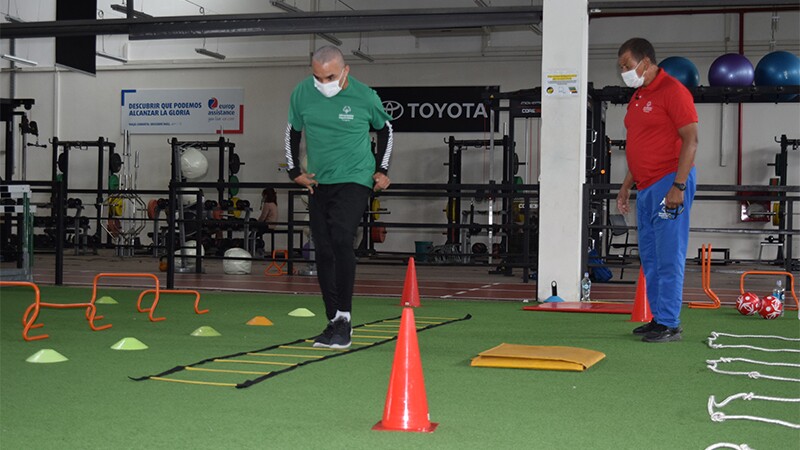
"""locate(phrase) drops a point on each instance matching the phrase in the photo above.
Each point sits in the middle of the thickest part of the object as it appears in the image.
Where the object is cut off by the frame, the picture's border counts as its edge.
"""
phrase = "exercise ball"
(236, 266)
(681, 69)
(778, 69)
(193, 163)
(731, 69)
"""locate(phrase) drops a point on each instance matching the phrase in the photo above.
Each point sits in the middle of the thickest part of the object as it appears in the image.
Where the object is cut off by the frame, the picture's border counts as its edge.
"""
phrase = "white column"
(565, 50)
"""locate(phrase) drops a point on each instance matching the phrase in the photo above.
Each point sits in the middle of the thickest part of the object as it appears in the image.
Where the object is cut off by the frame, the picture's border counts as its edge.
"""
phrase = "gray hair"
(328, 53)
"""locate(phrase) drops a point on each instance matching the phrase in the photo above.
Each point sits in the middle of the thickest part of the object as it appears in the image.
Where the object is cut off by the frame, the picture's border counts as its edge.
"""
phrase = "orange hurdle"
(274, 269)
(705, 269)
(129, 275)
(28, 320)
(152, 308)
(772, 272)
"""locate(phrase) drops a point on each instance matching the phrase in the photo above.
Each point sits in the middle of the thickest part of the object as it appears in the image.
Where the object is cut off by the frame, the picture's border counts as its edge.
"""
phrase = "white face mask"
(330, 88)
(632, 79)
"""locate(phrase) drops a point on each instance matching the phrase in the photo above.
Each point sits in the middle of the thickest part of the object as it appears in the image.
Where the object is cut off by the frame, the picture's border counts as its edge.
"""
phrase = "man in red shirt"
(661, 125)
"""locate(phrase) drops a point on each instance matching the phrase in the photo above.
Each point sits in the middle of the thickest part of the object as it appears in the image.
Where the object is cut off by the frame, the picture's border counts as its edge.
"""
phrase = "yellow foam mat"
(539, 357)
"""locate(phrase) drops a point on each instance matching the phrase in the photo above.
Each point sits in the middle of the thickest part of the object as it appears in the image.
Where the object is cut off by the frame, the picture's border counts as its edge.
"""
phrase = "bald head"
(328, 54)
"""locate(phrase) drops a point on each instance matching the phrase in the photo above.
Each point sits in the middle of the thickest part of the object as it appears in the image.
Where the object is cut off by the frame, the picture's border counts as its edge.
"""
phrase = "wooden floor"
(438, 282)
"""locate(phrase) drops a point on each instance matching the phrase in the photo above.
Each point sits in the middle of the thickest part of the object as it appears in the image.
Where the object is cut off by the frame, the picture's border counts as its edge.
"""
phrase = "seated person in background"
(269, 208)
(269, 214)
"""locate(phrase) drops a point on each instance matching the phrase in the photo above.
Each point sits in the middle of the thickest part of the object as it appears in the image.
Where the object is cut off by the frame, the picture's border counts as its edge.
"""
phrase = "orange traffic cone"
(410, 288)
(406, 403)
(641, 306)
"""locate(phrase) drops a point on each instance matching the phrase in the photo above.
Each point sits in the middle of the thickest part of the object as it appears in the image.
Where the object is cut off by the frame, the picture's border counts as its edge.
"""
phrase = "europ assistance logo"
(220, 109)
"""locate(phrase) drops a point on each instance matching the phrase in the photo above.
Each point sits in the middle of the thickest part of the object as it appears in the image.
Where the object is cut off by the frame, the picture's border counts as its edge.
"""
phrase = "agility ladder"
(291, 355)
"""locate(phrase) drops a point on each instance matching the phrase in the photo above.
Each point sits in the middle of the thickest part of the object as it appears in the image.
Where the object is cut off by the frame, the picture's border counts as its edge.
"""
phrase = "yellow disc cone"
(46, 355)
(129, 343)
(106, 300)
(205, 331)
(301, 312)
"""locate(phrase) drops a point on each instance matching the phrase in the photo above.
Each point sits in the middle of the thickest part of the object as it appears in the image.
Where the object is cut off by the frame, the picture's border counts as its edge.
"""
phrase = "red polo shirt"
(655, 113)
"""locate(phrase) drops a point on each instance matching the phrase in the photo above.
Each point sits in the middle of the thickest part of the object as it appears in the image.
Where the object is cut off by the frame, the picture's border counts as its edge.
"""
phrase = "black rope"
(249, 383)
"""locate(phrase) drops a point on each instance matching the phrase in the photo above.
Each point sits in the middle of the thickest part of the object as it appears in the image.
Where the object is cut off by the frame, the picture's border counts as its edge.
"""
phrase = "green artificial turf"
(640, 396)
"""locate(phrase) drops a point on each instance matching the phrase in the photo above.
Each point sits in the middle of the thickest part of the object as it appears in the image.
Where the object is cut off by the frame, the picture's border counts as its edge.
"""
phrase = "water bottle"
(586, 288)
(779, 293)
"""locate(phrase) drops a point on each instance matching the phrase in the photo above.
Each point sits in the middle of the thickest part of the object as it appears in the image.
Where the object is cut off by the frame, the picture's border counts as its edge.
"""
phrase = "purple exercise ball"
(731, 69)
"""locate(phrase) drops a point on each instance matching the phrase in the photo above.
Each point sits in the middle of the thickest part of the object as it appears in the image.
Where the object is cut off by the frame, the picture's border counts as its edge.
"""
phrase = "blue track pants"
(662, 248)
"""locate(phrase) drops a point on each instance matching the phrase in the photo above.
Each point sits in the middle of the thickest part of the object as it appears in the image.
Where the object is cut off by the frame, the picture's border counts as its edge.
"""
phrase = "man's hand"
(307, 181)
(622, 200)
(382, 182)
(674, 198)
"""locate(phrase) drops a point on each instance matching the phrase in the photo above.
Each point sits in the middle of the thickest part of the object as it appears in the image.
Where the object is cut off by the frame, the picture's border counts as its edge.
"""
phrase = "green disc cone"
(129, 343)
(46, 355)
(106, 300)
(205, 331)
(301, 312)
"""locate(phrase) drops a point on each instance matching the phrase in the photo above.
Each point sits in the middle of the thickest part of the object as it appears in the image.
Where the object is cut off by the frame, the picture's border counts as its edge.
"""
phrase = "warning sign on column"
(561, 84)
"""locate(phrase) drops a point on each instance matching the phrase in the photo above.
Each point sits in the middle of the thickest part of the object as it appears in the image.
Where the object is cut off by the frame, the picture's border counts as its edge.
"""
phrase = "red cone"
(410, 288)
(641, 306)
(406, 403)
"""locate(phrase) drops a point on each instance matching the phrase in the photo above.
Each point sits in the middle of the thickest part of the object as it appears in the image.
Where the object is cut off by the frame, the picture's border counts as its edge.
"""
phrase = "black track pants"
(335, 211)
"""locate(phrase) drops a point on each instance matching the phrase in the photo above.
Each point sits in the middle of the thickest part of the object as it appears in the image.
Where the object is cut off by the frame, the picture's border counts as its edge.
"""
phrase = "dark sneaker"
(324, 339)
(646, 328)
(663, 334)
(342, 330)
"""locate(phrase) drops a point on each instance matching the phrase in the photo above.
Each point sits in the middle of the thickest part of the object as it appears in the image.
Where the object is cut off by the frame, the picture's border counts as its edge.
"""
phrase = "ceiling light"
(537, 28)
(207, 52)
(332, 39)
(363, 56)
(135, 14)
(482, 3)
(111, 57)
(19, 60)
(13, 19)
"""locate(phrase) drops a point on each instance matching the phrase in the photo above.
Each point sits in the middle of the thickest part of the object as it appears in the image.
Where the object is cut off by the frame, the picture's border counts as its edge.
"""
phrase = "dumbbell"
(242, 205)
(226, 204)
(163, 203)
(74, 203)
(210, 204)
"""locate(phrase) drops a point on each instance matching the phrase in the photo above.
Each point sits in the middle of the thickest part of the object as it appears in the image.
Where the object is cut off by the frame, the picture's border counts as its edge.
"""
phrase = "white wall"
(74, 106)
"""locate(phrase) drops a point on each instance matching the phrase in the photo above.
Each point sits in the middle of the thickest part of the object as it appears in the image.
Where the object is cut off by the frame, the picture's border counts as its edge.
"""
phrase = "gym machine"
(60, 172)
(195, 212)
(780, 210)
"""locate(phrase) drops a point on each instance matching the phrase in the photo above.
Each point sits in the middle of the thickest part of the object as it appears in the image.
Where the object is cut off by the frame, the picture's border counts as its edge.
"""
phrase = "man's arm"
(385, 145)
(625, 193)
(292, 148)
(688, 134)
(384, 154)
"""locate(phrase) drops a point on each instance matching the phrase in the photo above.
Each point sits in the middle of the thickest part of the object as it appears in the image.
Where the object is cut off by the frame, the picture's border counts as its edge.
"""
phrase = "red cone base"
(380, 427)
(406, 403)
(641, 306)
(410, 295)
